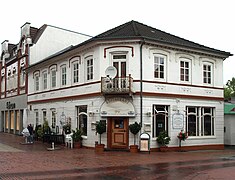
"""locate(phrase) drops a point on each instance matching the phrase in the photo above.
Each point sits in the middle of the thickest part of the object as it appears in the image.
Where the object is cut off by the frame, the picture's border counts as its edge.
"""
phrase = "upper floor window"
(89, 68)
(75, 72)
(159, 66)
(63, 75)
(36, 82)
(22, 77)
(53, 78)
(44, 80)
(3, 84)
(207, 73)
(184, 70)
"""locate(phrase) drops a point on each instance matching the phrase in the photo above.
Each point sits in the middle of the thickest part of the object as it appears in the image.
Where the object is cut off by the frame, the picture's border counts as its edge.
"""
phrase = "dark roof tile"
(134, 29)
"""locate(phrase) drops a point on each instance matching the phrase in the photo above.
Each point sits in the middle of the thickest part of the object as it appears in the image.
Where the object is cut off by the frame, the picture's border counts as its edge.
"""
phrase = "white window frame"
(53, 77)
(75, 72)
(200, 117)
(89, 68)
(206, 73)
(44, 80)
(53, 118)
(36, 82)
(22, 77)
(63, 70)
(156, 112)
(185, 70)
(36, 116)
(162, 72)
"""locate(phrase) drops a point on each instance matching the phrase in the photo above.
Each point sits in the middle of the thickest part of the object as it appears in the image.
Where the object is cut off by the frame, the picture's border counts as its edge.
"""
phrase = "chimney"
(4, 52)
(25, 30)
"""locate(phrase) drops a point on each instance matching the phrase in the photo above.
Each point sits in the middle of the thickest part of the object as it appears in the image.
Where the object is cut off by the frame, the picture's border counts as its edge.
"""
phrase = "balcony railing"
(122, 85)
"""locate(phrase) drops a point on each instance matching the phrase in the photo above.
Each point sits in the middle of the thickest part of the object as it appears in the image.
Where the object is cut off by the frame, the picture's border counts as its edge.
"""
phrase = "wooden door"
(119, 133)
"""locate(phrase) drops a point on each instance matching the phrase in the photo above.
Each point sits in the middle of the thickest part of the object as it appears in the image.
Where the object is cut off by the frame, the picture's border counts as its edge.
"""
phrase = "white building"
(35, 44)
(133, 73)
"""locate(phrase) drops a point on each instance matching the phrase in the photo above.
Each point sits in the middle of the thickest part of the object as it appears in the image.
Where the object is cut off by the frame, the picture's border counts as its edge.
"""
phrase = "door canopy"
(117, 107)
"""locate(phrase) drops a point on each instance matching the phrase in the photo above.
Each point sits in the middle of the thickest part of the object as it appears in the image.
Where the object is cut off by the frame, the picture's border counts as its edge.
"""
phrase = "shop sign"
(117, 107)
(10, 105)
(178, 121)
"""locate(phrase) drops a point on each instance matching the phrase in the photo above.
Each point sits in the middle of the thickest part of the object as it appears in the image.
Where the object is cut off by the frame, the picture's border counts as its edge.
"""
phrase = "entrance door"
(119, 133)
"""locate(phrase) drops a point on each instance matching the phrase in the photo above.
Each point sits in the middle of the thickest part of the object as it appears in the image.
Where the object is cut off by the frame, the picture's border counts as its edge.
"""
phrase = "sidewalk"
(36, 162)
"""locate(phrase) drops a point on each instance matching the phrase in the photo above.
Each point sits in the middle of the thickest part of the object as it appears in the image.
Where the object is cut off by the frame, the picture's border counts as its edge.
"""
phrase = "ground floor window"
(53, 118)
(160, 119)
(36, 117)
(200, 121)
(82, 119)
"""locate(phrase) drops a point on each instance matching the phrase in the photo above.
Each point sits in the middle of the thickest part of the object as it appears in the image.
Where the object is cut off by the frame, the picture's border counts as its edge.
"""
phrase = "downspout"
(141, 83)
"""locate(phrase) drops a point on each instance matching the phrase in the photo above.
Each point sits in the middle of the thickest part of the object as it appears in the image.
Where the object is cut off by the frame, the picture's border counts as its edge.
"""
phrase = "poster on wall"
(178, 121)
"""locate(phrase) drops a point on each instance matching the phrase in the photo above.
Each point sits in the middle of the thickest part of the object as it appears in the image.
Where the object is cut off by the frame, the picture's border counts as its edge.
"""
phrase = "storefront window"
(82, 119)
(200, 119)
(160, 119)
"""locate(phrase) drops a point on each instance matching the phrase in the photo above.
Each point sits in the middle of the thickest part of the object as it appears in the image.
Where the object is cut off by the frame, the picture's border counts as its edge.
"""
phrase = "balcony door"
(119, 62)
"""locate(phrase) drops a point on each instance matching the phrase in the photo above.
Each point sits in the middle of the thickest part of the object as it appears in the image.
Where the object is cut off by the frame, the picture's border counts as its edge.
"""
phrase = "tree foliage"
(229, 90)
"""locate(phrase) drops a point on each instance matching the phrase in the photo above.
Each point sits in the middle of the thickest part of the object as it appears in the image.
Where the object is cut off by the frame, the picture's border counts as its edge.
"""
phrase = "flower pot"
(164, 149)
(134, 148)
(99, 148)
(77, 145)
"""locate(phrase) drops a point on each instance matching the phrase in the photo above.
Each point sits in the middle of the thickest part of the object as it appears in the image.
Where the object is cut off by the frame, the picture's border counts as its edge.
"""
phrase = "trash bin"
(145, 142)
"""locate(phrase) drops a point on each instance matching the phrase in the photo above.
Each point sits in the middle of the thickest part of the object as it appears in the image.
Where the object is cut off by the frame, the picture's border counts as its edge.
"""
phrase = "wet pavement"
(34, 161)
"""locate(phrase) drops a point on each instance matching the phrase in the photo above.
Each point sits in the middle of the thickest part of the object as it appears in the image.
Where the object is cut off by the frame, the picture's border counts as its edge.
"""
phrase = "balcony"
(122, 85)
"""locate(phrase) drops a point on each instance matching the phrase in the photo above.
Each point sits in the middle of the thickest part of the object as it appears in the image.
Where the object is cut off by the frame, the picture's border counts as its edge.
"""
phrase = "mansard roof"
(136, 30)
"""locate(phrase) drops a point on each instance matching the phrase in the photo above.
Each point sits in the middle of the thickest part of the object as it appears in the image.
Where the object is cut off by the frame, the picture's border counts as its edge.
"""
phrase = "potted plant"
(163, 139)
(77, 138)
(182, 136)
(100, 129)
(134, 129)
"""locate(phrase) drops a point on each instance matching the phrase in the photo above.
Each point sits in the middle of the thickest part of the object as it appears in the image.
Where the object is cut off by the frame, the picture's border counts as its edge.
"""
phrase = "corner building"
(133, 73)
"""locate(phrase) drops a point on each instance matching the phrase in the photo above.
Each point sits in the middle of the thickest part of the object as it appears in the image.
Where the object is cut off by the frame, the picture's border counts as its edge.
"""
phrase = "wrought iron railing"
(120, 85)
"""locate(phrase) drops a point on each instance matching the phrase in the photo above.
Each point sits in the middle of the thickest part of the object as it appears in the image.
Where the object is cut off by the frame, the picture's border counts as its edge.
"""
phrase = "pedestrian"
(26, 134)
(30, 128)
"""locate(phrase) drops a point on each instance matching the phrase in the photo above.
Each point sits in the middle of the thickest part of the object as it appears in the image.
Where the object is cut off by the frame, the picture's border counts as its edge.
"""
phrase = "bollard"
(53, 145)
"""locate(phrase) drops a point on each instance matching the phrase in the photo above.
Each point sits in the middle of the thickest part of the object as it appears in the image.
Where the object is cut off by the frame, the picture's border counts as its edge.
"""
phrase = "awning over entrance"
(117, 107)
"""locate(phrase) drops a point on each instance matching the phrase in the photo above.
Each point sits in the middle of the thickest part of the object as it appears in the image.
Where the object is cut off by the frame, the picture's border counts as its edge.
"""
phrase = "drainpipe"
(141, 83)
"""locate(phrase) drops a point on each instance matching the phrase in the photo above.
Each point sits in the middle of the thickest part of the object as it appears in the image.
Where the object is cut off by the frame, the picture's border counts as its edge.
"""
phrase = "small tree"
(134, 129)
(100, 129)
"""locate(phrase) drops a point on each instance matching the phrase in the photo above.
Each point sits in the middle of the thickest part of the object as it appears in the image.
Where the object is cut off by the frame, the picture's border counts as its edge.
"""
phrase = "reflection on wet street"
(172, 170)
(34, 161)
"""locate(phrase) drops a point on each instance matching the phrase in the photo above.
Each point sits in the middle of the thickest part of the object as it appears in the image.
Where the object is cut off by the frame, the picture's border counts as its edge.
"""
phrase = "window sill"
(84, 137)
(201, 137)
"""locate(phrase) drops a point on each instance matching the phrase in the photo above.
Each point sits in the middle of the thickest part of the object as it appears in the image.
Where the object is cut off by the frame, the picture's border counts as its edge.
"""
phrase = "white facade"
(53, 40)
(168, 91)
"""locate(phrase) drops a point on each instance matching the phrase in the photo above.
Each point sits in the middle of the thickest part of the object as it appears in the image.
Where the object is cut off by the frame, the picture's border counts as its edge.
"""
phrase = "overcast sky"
(207, 22)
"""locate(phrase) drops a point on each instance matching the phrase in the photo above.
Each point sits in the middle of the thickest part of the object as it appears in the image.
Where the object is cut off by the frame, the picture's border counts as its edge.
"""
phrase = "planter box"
(99, 148)
(164, 149)
(134, 148)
